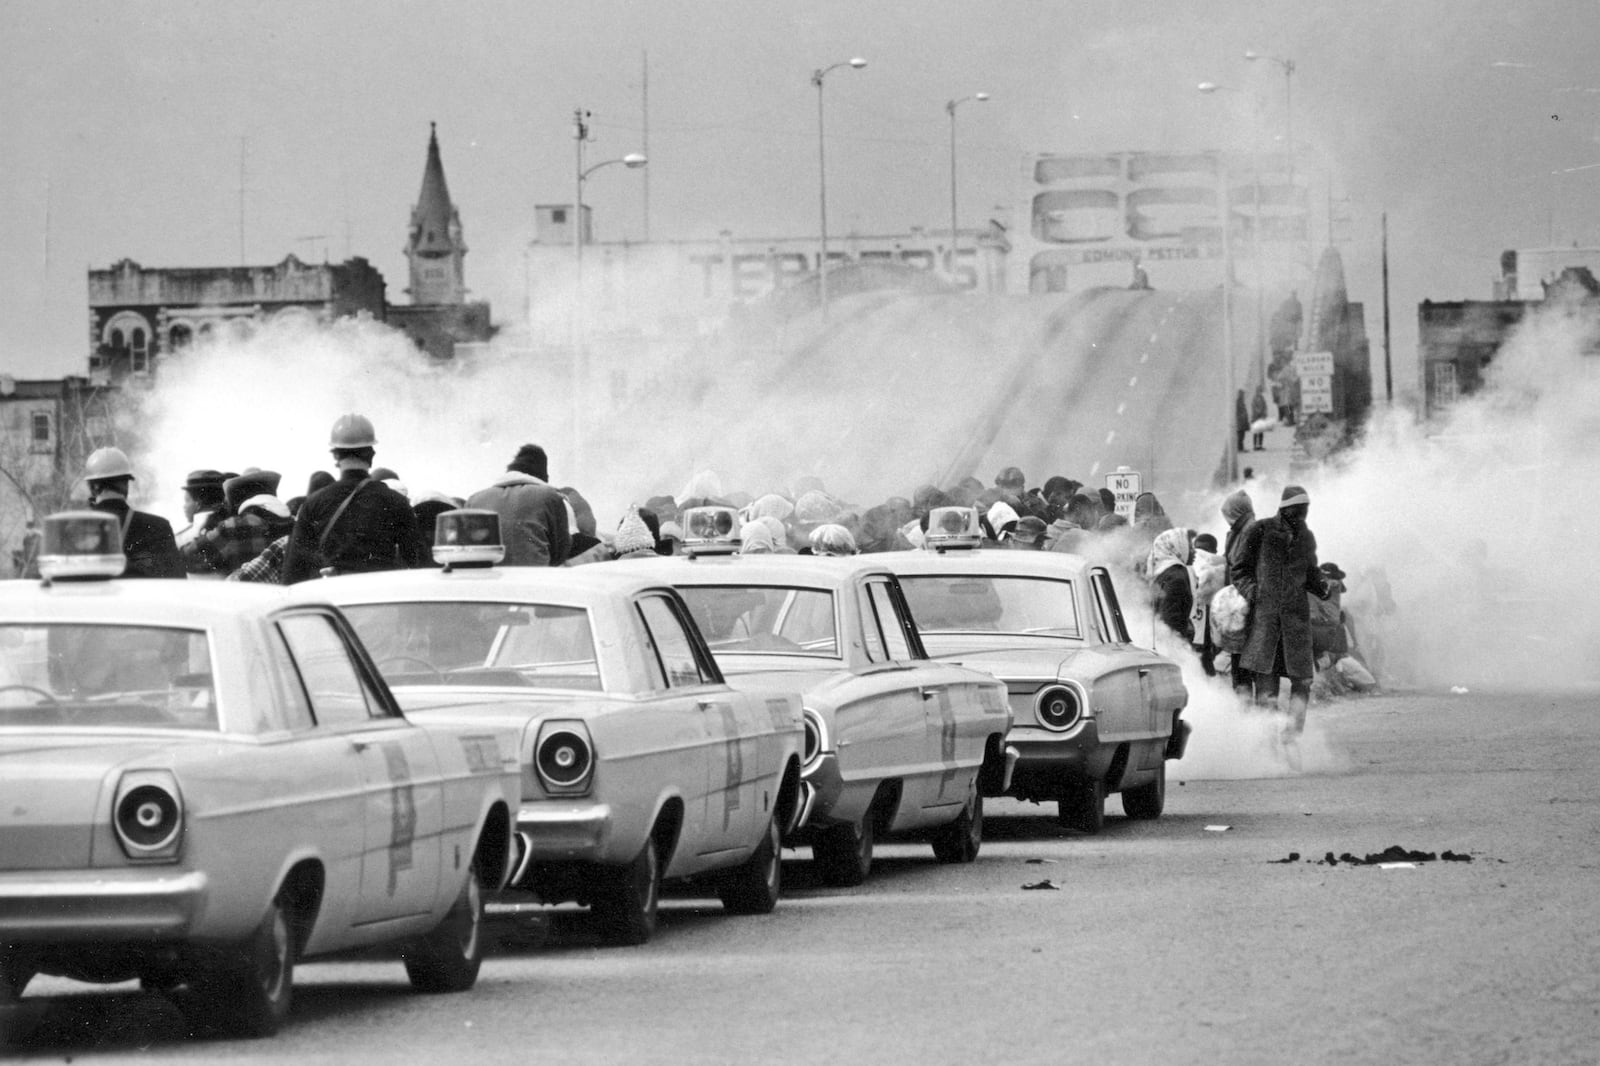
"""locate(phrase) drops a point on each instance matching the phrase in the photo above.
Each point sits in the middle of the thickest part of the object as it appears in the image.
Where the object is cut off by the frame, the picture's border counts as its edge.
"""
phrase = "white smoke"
(1472, 523)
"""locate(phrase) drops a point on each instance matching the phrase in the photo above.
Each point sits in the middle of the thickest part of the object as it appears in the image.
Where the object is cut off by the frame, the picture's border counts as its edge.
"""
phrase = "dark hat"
(204, 479)
(256, 483)
(1206, 542)
(1332, 570)
(1029, 528)
(531, 460)
(1293, 494)
(320, 479)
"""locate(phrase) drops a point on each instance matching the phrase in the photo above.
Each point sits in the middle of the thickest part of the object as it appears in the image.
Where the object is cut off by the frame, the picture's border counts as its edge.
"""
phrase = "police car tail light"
(952, 528)
(816, 740)
(1059, 707)
(148, 816)
(710, 531)
(81, 546)
(563, 758)
(467, 537)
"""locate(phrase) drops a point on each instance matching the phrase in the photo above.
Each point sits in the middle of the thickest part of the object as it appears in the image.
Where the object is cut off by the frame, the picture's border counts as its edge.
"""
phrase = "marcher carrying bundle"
(1230, 619)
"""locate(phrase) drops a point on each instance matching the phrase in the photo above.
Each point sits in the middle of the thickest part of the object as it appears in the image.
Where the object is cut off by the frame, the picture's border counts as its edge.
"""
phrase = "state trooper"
(357, 524)
(147, 539)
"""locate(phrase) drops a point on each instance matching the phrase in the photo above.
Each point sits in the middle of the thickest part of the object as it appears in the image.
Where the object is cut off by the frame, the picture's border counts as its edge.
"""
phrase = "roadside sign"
(1313, 363)
(1125, 485)
(1316, 393)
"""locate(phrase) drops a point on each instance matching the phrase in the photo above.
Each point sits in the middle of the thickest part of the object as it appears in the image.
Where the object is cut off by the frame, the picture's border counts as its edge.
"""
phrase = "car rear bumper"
(66, 906)
(563, 832)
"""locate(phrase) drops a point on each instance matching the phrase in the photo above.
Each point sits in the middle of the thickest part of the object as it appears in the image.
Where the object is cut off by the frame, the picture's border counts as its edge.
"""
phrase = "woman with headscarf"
(1171, 589)
(755, 538)
(832, 539)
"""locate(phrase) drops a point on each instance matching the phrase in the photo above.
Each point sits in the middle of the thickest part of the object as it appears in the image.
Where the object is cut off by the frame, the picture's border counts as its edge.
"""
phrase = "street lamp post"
(633, 161)
(1288, 105)
(1228, 386)
(822, 174)
(1262, 345)
(950, 109)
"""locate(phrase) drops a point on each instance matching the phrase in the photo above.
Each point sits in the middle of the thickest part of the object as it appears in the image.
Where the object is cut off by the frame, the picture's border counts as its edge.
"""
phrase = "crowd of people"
(361, 518)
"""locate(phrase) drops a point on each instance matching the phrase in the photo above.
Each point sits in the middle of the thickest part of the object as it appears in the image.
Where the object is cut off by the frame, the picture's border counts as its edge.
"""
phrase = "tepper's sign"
(1125, 485)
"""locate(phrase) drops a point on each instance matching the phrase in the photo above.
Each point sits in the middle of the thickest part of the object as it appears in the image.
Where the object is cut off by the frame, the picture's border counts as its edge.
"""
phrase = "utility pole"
(243, 142)
(1388, 365)
(645, 147)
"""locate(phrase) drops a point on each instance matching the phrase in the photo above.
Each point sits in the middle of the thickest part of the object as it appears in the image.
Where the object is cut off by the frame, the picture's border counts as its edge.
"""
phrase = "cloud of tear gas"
(1462, 537)
(1231, 739)
(269, 399)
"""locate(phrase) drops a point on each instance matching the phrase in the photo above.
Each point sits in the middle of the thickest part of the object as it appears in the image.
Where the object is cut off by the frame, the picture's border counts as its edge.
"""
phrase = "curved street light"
(1211, 87)
(633, 161)
(1288, 102)
(817, 76)
(950, 109)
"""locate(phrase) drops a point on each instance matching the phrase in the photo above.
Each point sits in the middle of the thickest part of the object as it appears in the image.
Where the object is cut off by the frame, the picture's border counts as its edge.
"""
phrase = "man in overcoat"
(1274, 568)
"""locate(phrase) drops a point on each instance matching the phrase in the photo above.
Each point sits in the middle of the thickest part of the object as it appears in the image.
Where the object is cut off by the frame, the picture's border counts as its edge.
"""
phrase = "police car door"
(401, 800)
(731, 738)
(1127, 708)
(915, 715)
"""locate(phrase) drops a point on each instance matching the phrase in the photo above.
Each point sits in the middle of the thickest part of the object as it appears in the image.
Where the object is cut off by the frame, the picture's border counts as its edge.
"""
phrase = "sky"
(125, 128)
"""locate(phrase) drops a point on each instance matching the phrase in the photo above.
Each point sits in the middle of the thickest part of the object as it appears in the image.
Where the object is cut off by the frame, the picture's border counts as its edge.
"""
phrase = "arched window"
(118, 340)
(141, 353)
(180, 337)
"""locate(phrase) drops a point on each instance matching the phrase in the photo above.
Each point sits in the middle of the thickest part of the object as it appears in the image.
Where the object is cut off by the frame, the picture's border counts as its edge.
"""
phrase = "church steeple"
(436, 247)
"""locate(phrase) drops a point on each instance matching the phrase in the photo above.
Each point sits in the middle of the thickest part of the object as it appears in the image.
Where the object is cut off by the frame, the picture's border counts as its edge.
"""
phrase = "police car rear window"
(493, 644)
(976, 603)
(106, 676)
(764, 619)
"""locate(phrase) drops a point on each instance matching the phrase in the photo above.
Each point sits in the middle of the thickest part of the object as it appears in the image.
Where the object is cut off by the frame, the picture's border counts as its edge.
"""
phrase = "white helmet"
(352, 431)
(106, 463)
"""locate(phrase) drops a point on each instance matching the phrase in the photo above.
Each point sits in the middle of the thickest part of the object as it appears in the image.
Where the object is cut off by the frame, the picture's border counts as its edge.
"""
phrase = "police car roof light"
(710, 531)
(953, 528)
(467, 537)
(81, 546)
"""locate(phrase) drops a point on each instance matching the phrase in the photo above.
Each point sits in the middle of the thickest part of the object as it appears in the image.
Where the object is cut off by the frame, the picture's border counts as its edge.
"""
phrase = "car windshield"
(456, 642)
(985, 603)
(764, 619)
(99, 676)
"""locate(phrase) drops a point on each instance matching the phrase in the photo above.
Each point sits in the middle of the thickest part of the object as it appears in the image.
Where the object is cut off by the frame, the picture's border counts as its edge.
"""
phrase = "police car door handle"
(931, 693)
(360, 745)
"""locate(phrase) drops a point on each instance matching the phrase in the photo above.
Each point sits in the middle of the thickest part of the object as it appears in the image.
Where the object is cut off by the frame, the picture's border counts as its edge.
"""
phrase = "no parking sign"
(1125, 485)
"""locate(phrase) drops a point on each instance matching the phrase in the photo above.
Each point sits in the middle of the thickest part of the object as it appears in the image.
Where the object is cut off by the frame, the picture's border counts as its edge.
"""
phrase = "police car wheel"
(1147, 801)
(1084, 807)
(249, 993)
(448, 959)
(754, 886)
(845, 852)
(625, 910)
(960, 840)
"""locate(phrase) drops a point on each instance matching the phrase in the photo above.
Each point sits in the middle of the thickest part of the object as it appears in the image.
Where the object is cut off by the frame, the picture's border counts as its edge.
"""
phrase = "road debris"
(1046, 884)
(1039, 862)
(1394, 853)
(1458, 690)
(1294, 856)
(1218, 828)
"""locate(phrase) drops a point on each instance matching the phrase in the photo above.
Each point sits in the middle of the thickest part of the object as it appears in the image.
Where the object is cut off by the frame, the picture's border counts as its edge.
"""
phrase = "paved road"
(903, 389)
(1164, 943)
